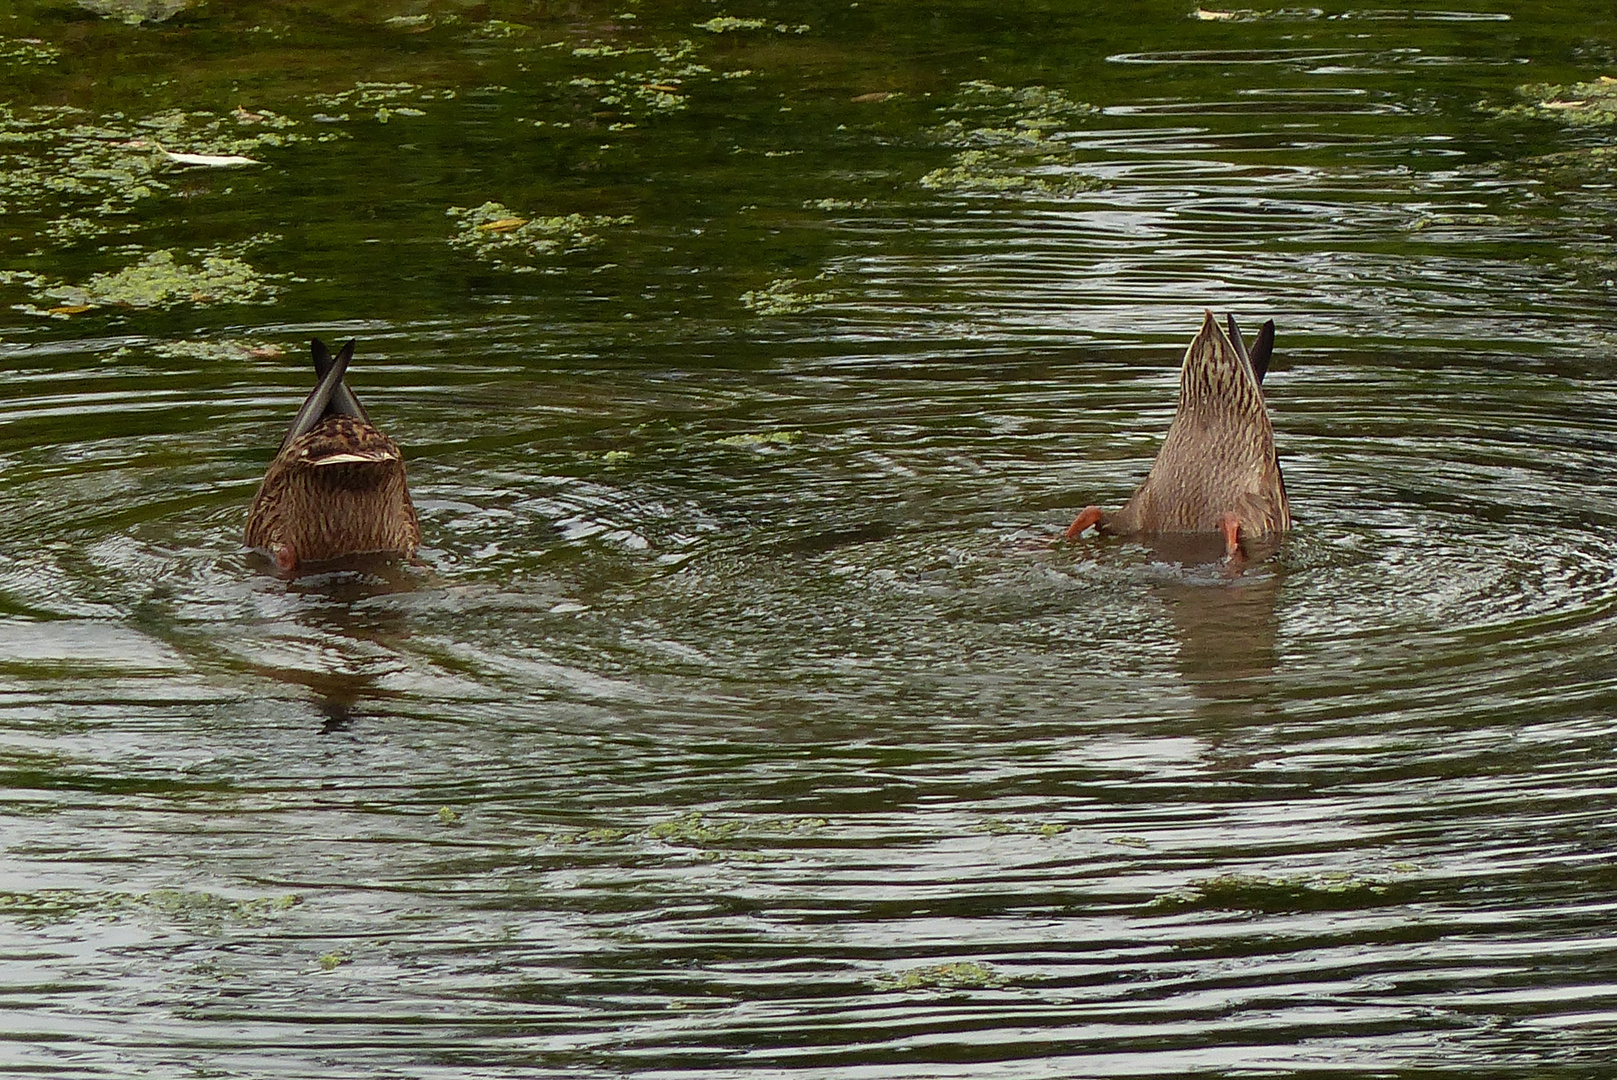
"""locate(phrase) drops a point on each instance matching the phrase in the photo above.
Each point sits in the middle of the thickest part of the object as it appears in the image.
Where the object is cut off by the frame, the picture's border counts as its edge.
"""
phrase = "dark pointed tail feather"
(1263, 349)
(1238, 341)
(314, 406)
(343, 402)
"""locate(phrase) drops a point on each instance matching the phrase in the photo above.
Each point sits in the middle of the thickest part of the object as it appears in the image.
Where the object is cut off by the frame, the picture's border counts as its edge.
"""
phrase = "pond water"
(745, 712)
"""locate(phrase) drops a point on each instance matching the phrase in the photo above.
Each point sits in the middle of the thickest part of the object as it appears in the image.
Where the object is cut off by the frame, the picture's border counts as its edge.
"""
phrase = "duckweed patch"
(135, 12)
(382, 101)
(1574, 165)
(1006, 144)
(656, 83)
(756, 440)
(501, 28)
(160, 280)
(694, 829)
(506, 240)
(1592, 103)
(27, 52)
(783, 296)
(85, 171)
(1301, 892)
(729, 24)
(836, 204)
(60, 905)
(961, 975)
(1018, 827)
(227, 350)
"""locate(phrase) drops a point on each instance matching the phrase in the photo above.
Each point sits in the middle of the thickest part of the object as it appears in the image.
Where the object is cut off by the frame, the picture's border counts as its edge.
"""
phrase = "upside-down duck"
(1217, 471)
(336, 487)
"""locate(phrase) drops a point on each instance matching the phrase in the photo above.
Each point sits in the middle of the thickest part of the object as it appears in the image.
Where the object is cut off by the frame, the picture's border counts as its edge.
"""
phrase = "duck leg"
(286, 560)
(1090, 516)
(1230, 526)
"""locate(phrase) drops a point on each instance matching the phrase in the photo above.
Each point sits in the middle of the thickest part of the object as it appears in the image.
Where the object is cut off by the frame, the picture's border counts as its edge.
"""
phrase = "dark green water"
(744, 713)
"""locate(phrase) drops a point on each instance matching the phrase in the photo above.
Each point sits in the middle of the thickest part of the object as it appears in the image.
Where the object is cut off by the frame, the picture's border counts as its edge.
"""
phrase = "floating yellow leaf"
(503, 225)
(71, 309)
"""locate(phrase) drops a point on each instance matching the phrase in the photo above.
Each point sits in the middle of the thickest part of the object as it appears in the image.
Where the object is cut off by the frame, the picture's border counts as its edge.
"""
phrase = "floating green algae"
(226, 350)
(59, 905)
(382, 101)
(783, 297)
(135, 12)
(496, 234)
(653, 82)
(1018, 827)
(27, 52)
(1589, 161)
(159, 280)
(1335, 891)
(761, 439)
(1004, 136)
(836, 204)
(501, 28)
(693, 829)
(961, 975)
(729, 24)
(1592, 103)
(85, 171)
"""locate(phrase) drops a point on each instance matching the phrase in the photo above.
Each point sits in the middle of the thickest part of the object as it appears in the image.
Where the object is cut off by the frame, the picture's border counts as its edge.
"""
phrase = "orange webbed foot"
(1090, 516)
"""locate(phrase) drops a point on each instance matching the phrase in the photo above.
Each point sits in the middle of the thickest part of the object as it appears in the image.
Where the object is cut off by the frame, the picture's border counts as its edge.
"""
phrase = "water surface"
(745, 713)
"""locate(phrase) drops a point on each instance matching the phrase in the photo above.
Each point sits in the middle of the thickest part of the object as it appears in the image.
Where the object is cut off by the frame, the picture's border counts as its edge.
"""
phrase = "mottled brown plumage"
(337, 486)
(1217, 471)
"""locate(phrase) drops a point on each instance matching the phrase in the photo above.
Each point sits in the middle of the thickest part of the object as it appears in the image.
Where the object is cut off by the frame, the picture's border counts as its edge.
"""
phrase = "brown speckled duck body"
(1217, 471)
(337, 486)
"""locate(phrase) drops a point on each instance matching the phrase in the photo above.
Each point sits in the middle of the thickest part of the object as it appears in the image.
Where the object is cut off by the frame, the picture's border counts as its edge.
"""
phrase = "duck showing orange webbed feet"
(1217, 471)
(337, 486)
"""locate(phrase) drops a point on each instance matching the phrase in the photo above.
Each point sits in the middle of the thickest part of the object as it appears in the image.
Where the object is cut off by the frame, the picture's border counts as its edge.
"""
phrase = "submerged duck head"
(336, 487)
(1217, 471)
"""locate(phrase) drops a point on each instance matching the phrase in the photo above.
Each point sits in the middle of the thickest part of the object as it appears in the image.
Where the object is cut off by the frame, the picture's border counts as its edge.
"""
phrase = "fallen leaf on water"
(879, 95)
(503, 225)
(218, 161)
(1208, 15)
(70, 309)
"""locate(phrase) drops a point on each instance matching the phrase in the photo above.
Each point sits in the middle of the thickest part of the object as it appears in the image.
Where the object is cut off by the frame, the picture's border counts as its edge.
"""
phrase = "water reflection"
(342, 643)
(1227, 632)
